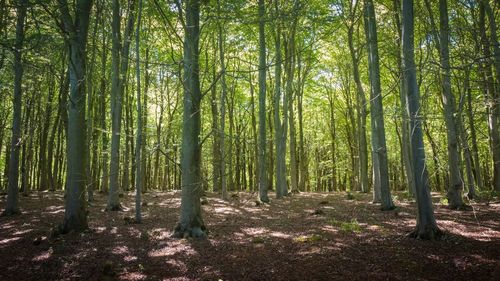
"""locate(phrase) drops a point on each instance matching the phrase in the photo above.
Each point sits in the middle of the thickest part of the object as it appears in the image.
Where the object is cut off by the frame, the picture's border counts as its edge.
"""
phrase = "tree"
(441, 41)
(379, 148)
(191, 222)
(76, 28)
(223, 98)
(138, 144)
(12, 204)
(120, 62)
(426, 223)
(262, 177)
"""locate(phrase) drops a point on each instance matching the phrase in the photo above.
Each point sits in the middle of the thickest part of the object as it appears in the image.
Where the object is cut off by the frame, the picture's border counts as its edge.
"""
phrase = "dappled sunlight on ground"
(308, 236)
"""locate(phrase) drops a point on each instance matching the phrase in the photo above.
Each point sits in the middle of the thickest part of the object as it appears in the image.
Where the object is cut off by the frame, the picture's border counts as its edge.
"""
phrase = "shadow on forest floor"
(308, 236)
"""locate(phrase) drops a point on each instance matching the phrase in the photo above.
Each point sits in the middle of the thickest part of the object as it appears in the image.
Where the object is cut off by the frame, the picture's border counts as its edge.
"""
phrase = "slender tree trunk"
(190, 222)
(120, 61)
(12, 204)
(263, 180)
(361, 113)
(426, 227)
(379, 148)
(223, 98)
(138, 149)
(280, 130)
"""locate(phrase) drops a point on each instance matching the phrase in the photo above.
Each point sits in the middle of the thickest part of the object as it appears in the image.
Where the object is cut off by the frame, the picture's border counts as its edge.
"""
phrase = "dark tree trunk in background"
(12, 204)
(190, 222)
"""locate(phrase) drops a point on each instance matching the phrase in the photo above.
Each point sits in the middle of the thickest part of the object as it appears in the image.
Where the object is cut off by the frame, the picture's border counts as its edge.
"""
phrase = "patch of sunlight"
(44, 255)
(255, 230)
(330, 228)
(100, 229)
(227, 211)
(181, 266)
(129, 258)
(278, 234)
(21, 232)
(9, 240)
(171, 249)
(118, 250)
(310, 251)
(114, 230)
(133, 276)
(307, 238)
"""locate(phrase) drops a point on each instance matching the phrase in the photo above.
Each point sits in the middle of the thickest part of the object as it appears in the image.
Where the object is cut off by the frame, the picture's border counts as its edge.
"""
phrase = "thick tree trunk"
(263, 180)
(379, 148)
(493, 94)
(405, 131)
(75, 216)
(426, 223)
(12, 204)
(190, 222)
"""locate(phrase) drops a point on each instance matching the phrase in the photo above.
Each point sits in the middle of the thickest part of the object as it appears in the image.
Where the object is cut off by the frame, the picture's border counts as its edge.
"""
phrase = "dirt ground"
(308, 236)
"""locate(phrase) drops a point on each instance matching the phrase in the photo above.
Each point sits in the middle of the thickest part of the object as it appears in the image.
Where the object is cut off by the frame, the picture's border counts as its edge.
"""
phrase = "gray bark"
(279, 125)
(426, 227)
(190, 222)
(263, 180)
(75, 216)
(361, 110)
(120, 62)
(223, 98)
(379, 148)
(12, 204)
(138, 140)
(493, 93)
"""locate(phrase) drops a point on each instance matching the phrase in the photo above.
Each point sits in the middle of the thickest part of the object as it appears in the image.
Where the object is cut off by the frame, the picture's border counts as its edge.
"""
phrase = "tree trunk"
(426, 223)
(223, 98)
(12, 204)
(120, 63)
(361, 112)
(263, 180)
(280, 127)
(190, 222)
(138, 145)
(379, 148)
(75, 216)
(493, 94)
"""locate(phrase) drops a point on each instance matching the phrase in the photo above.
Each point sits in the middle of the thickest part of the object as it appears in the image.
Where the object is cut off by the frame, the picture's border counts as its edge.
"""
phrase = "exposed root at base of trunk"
(198, 232)
(427, 233)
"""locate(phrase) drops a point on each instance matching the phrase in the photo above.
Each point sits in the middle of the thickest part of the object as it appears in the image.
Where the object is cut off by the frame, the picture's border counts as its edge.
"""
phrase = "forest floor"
(308, 236)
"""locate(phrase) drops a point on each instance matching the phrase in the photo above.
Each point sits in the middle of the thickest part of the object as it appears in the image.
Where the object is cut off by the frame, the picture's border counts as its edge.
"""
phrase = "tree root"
(427, 233)
(183, 232)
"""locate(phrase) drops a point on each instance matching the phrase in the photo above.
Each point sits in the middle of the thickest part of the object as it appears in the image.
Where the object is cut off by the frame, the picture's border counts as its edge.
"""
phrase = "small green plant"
(352, 226)
(307, 238)
(443, 201)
